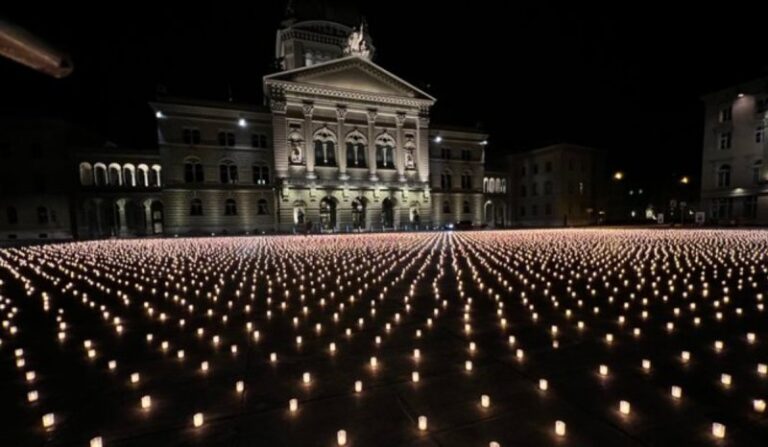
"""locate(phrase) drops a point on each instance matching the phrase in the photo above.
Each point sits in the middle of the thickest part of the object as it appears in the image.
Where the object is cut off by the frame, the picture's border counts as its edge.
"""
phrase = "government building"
(339, 145)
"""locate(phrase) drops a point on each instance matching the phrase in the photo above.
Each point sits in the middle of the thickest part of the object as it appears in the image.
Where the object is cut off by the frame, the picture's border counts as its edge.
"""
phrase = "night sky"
(625, 78)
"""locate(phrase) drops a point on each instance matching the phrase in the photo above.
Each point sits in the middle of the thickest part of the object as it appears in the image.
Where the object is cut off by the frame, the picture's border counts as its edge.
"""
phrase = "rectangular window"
(759, 134)
(535, 168)
(534, 189)
(259, 140)
(547, 209)
(465, 155)
(522, 171)
(522, 211)
(446, 153)
(725, 140)
(226, 139)
(191, 136)
(725, 114)
(762, 105)
(548, 166)
(534, 210)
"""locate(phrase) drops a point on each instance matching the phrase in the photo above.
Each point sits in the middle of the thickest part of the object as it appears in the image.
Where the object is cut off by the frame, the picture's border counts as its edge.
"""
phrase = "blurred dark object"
(20, 45)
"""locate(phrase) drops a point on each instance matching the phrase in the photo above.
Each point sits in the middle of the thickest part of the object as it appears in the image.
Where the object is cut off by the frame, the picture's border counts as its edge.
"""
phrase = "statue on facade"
(357, 45)
(297, 153)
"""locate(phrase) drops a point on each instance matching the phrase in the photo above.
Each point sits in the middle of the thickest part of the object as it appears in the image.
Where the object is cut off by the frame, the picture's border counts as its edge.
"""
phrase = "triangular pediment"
(353, 74)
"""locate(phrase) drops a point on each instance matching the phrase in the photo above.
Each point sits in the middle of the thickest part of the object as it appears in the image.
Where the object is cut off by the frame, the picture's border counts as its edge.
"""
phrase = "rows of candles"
(678, 311)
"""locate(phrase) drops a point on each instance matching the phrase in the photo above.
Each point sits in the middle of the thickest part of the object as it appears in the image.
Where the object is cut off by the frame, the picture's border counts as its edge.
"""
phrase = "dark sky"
(625, 78)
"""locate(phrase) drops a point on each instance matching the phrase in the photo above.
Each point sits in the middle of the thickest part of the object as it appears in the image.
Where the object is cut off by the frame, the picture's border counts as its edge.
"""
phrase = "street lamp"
(618, 175)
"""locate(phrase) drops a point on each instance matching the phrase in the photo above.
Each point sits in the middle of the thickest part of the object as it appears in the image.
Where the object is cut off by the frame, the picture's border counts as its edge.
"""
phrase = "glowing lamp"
(198, 420)
(543, 384)
(358, 386)
(135, 378)
(677, 392)
(146, 402)
(293, 405)
(485, 401)
(32, 396)
(240, 386)
(758, 405)
(96, 442)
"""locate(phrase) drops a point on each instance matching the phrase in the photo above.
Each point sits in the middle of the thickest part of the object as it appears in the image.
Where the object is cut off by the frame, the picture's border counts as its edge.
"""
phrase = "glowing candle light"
(135, 378)
(543, 384)
(560, 428)
(726, 379)
(374, 362)
(358, 386)
(146, 402)
(603, 370)
(112, 365)
(48, 420)
(485, 401)
(198, 420)
(240, 386)
(624, 407)
(758, 405)
(96, 442)
(32, 396)
(293, 405)
(306, 378)
(415, 377)
(718, 430)
(341, 437)
(677, 392)
(646, 365)
(422, 423)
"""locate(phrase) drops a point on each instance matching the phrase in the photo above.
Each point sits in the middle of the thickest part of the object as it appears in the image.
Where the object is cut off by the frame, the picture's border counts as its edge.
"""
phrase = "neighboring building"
(556, 186)
(341, 145)
(456, 162)
(734, 180)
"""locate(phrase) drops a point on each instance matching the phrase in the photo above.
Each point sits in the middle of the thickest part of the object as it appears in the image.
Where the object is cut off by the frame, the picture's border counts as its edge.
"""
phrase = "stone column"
(122, 226)
(280, 138)
(309, 145)
(98, 204)
(422, 147)
(372, 145)
(341, 150)
(148, 217)
(399, 150)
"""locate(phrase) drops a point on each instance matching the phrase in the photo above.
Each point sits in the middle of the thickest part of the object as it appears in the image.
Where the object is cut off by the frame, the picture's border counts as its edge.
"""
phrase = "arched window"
(193, 171)
(504, 186)
(261, 207)
(358, 213)
(465, 207)
(100, 174)
(143, 175)
(756, 167)
(325, 147)
(548, 188)
(385, 151)
(196, 207)
(356, 148)
(230, 207)
(446, 207)
(299, 213)
(42, 215)
(155, 179)
(445, 180)
(115, 175)
(228, 172)
(129, 175)
(485, 185)
(86, 174)
(724, 176)
(260, 174)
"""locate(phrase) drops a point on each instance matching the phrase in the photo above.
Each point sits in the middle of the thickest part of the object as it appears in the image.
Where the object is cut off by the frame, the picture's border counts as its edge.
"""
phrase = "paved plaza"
(600, 337)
